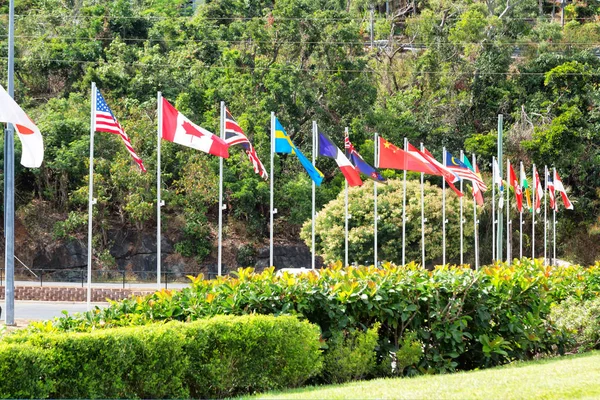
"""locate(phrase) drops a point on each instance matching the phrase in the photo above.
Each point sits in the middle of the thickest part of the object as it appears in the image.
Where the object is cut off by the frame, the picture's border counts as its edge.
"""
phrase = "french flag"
(328, 149)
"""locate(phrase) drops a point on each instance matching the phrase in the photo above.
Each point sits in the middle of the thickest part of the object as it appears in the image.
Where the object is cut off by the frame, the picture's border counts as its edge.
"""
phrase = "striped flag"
(235, 135)
(559, 187)
(328, 149)
(105, 121)
(461, 170)
(550, 188)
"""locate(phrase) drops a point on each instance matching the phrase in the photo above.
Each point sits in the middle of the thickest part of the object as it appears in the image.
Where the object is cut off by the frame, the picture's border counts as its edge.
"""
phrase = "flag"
(558, 186)
(359, 163)
(328, 149)
(539, 192)
(426, 157)
(515, 185)
(525, 187)
(105, 121)
(234, 135)
(462, 171)
(32, 143)
(283, 144)
(392, 157)
(178, 129)
(477, 194)
(550, 188)
(497, 178)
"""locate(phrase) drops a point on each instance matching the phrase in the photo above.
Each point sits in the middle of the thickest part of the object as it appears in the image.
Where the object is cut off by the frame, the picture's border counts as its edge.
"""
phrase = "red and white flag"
(235, 135)
(437, 168)
(32, 143)
(539, 192)
(550, 188)
(514, 182)
(178, 129)
(558, 186)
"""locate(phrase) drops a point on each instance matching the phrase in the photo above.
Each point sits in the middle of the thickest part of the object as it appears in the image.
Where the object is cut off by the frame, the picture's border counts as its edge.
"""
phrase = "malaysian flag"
(234, 135)
(105, 121)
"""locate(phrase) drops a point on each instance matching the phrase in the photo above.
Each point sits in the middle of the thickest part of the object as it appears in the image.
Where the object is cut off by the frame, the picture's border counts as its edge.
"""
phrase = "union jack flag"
(358, 162)
(235, 135)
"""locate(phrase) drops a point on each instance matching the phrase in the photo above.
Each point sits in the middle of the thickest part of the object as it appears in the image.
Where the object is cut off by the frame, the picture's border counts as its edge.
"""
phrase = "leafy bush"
(394, 361)
(581, 320)
(350, 355)
(208, 358)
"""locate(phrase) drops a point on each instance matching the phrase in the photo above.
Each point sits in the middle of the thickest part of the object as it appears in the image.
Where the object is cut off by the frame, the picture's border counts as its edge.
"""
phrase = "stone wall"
(72, 293)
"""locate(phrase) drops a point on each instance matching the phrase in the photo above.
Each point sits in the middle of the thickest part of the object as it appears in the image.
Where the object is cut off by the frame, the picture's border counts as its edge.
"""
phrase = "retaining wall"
(50, 293)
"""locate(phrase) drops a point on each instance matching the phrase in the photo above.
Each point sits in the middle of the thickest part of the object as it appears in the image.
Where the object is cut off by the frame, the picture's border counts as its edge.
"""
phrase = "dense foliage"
(440, 72)
(464, 318)
(218, 357)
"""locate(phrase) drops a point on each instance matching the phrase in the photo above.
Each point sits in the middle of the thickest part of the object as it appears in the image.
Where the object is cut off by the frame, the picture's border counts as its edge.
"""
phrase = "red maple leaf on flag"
(191, 130)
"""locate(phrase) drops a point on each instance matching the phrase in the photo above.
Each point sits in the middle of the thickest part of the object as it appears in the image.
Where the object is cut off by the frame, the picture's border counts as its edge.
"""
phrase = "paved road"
(42, 310)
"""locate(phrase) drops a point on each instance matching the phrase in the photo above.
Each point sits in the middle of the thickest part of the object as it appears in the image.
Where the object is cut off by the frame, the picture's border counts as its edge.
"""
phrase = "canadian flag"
(32, 142)
(178, 129)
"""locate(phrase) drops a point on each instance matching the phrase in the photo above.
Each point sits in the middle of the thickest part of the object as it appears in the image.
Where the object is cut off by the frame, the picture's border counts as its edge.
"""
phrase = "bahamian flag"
(283, 144)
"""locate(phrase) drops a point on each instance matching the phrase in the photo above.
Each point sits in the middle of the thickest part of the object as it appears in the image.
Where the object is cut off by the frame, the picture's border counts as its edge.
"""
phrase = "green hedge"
(216, 357)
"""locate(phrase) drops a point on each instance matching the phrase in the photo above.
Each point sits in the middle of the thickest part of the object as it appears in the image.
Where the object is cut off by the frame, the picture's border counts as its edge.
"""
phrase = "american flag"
(234, 135)
(105, 121)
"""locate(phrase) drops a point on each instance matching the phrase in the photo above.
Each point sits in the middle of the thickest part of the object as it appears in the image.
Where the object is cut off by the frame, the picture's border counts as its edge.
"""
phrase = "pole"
(507, 212)
(158, 190)
(533, 193)
(9, 184)
(271, 263)
(500, 225)
(545, 214)
(554, 224)
(404, 210)
(562, 15)
(493, 209)
(422, 217)
(521, 218)
(346, 215)
(373, 28)
(314, 159)
(475, 223)
(443, 210)
(91, 195)
(461, 217)
(220, 240)
(375, 200)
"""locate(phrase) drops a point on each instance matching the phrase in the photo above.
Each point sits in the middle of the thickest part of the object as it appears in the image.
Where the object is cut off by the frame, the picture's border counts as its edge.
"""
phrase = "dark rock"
(287, 256)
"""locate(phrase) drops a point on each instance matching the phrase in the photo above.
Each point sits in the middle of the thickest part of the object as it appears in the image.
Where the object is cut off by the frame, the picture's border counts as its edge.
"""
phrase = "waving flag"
(440, 170)
(390, 156)
(558, 186)
(359, 163)
(105, 121)
(283, 144)
(328, 149)
(550, 188)
(31, 139)
(525, 187)
(515, 185)
(477, 194)
(235, 135)
(461, 170)
(177, 128)
(539, 192)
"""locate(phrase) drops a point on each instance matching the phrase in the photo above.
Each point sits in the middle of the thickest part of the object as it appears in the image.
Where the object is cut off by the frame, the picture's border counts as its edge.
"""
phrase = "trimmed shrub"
(208, 358)
(580, 319)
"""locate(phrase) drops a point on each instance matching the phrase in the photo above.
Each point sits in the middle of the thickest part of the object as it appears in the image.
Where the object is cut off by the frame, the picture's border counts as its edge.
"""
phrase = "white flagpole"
(493, 209)
(461, 217)
(91, 196)
(533, 193)
(404, 211)
(375, 200)
(545, 214)
(422, 216)
(508, 235)
(443, 210)
(554, 221)
(521, 213)
(271, 263)
(475, 223)
(158, 190)
(346, 216)
(314, 158)
(220, 240)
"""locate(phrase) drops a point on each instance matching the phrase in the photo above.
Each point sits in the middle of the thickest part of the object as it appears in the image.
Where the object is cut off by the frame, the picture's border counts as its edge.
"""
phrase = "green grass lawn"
(572, 377)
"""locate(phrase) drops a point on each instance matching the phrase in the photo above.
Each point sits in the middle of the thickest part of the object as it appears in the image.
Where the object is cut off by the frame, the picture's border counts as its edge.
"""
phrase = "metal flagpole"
(554, 223)
(91, 195)
(443, 210)
(500, 225)
(9, 184)
(159, 202)
(533, 193)
(314, 158)
(475, 223)
(508, 183)
(521, 215)
(545, 214)
(271, 184)
(375, 200)
(493, 209)
(461, 218)
(346, 216)
(404, 211)
(422, 217)
(220, 244)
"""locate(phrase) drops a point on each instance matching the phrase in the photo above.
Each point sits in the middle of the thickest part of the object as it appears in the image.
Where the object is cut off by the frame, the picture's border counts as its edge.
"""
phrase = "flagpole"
(346, 215)
(475, 222)
(404, 211)
(444, 210)
(314, 157)
(500, 226)
(545, 214)
(375, 148)
(554, 222)
(521, 213)
(9, 184)
(158, 190)
(533, 193)
(91, 196)
(508, 211)
(271, 184)
(461, 217)
(422, 216)
(220, 243)
(493, 209)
